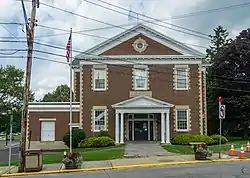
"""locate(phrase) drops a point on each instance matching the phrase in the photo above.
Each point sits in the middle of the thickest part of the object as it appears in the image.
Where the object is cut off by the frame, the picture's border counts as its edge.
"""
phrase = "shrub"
(94, 142)
(216, 139)
(77, 136)
(183, 139)
(203, 138)
(102, 133)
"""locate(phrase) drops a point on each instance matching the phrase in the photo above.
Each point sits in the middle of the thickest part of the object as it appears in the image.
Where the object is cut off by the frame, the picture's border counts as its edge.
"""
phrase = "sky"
(47, 75)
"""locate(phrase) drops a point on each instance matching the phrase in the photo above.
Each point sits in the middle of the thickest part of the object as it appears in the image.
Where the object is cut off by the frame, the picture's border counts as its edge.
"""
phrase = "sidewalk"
(121, 162)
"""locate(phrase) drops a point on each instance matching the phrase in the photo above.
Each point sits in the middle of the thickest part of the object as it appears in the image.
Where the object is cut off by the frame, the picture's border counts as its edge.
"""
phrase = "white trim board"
(53, 110)
(54, 106)
(47, 119)
(133, 62)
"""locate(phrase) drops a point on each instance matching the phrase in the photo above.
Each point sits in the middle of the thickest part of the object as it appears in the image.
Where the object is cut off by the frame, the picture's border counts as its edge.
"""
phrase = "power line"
(61, 48)
(11, 23)
(106, 38)
(181, 16)
(158, 20)
(106, 23)
(15, 51)
(123, 73)
(177, 26)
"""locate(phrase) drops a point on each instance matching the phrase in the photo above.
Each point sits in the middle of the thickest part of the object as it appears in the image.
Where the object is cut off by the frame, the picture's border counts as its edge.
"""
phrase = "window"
(100, 76)
(182, 120)
(99, 120)
(47, 131)
(181, 78)
(140, 79)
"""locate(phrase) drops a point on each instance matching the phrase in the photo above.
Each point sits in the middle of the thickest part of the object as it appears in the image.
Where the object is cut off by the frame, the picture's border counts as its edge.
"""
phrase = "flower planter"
(73, 161)
(71, 166)
(200, 156)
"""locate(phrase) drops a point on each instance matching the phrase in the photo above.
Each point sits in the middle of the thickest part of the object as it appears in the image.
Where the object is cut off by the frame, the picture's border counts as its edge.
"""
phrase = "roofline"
(143, 96)
(89, 51)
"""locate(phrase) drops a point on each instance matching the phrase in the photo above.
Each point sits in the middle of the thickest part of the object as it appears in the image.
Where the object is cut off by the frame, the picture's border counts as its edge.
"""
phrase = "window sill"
(182, 130)
(181, 89)
(47, 141)
(140, 89)
(100, 89)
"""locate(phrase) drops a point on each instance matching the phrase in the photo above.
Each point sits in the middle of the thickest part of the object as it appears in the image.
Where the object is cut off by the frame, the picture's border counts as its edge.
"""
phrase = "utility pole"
(30, 38)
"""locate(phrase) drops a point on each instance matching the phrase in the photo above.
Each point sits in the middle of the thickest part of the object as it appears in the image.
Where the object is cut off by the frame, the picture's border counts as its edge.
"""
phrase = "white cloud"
(47, 75)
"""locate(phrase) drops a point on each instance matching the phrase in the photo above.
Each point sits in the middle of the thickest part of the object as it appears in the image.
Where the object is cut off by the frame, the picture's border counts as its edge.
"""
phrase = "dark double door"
(141, 130)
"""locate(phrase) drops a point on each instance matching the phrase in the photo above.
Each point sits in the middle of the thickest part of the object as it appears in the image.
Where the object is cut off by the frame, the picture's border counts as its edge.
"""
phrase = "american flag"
(68, 48)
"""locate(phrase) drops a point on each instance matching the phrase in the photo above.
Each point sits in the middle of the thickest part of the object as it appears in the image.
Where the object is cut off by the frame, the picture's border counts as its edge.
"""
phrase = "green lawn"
(186, 149)
(89, 154)
(3, 146)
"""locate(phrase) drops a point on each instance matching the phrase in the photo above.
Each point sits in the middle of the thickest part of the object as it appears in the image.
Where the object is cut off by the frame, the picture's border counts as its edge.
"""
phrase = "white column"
(122, 129)
(167, 128)
(117, 128)
(162, 128)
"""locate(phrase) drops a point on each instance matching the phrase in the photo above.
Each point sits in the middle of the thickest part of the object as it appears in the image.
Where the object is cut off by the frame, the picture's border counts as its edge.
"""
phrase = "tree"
(11, 96)
(60, 94)
(218, 42)
(230, 71)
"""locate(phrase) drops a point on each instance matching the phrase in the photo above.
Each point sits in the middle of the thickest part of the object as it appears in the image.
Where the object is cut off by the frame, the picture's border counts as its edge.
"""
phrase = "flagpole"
(70, 85)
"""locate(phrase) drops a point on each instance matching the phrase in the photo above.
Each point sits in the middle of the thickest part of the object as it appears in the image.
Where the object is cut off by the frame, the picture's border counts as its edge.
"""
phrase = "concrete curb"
(121, 167)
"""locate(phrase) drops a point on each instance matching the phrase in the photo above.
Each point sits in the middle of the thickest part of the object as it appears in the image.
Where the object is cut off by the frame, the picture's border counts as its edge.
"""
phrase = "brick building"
(138, 85)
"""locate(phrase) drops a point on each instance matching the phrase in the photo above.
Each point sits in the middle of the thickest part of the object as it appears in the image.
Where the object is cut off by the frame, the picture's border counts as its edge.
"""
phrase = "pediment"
(142, 102)
(156, 44)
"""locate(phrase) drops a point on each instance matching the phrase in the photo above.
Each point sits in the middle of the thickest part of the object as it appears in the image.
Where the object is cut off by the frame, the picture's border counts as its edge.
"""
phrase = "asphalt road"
(209, 170)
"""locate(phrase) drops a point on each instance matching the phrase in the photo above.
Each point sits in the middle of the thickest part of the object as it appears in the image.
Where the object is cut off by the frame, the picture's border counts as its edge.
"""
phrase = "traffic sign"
(220, 100)
(222, 112)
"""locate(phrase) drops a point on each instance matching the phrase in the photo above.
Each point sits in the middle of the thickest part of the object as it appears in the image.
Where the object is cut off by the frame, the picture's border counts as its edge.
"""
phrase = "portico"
(142, 118)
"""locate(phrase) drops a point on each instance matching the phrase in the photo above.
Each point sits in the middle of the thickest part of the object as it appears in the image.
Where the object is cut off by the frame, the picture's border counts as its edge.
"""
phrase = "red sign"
(220, 100)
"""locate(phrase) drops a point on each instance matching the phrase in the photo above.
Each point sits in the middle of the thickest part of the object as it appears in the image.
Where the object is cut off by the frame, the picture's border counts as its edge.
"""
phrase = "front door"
(141, 130)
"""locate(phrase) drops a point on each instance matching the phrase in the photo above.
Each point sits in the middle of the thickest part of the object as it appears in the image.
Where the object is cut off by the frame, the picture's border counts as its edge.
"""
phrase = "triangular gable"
(142, 101)
(152, 48)
(146, 31)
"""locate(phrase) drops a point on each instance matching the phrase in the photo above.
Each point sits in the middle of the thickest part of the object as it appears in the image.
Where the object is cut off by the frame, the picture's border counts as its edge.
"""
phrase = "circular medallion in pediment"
(140, 45)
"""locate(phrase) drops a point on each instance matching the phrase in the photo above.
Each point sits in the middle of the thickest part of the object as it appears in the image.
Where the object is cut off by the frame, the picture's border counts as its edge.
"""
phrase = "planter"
(71, 166)
(200, 156)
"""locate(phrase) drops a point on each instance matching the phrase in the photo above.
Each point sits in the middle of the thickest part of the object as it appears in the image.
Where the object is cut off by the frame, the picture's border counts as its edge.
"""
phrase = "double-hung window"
(182, 120)
(140, 79)
(100, 120)
(181, 78)
(100, 79)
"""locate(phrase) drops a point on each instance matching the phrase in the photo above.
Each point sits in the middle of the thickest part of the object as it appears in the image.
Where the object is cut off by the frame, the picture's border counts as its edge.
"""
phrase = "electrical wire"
(106, 23)
(101, 37)
(191, 14)
(148, 17)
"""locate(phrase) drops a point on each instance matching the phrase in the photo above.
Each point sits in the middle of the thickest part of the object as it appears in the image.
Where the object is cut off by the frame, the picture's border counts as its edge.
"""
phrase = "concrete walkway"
(119, 162)
(145, 149)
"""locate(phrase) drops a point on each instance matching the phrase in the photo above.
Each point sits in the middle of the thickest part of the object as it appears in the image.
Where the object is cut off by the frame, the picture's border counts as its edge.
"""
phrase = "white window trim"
(176, 78)
(93, 79)
(140, 67)
(105, 119)
(176, 119)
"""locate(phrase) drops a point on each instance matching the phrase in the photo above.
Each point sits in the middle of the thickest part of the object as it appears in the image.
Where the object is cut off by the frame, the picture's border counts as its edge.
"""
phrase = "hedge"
(185, 139)
(216, 139)
(77, 136)
(94, 142)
